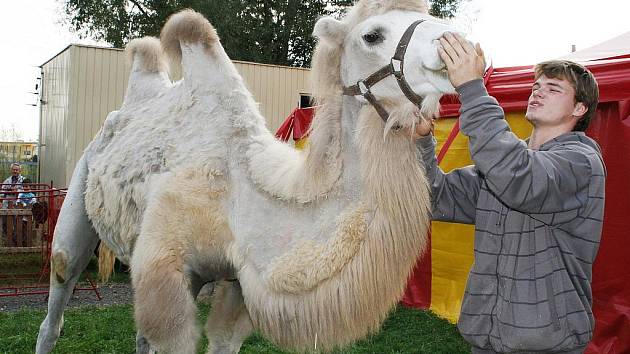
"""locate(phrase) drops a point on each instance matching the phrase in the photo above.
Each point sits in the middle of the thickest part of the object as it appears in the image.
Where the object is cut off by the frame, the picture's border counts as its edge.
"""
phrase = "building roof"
(613, 48)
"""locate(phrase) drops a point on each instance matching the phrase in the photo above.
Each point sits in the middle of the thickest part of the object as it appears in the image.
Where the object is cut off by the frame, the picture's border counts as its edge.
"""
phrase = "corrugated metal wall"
(83, 84)
(54, 114)
(276, 88)
(99, 80)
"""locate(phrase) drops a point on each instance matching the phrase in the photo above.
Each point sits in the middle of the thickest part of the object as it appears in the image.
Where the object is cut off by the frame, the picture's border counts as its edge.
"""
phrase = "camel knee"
(59, 266)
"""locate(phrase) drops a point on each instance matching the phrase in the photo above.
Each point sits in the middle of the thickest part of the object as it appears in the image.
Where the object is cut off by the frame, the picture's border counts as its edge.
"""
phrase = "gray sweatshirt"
(538, 220)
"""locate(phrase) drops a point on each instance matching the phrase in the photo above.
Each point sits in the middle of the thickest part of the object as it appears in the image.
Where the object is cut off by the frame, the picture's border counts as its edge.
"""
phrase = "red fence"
(28, 216)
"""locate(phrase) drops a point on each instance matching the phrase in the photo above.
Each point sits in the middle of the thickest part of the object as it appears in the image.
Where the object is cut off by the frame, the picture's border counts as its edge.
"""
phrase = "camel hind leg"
(228, 323)
(73, 244)
(179, 247)
(164, 309)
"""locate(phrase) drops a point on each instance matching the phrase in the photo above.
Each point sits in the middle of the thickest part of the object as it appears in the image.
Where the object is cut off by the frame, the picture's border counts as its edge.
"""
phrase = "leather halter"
(395, 67)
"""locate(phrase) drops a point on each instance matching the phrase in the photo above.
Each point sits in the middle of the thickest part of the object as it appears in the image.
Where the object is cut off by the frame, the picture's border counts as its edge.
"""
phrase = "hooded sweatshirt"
(538, 219)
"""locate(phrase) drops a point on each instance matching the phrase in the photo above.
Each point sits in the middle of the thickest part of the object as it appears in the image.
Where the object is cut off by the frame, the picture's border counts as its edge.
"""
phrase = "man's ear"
(579, 110)
(329, 30)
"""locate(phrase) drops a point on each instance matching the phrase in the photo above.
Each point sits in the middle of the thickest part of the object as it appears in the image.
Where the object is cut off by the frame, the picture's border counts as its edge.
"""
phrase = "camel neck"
(349, 148)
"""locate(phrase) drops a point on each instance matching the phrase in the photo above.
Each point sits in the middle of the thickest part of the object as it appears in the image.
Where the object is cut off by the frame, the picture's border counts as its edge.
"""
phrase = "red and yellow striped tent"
(439, 279)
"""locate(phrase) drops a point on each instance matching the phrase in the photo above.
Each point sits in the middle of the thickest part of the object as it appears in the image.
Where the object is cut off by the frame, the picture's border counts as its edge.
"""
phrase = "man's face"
(15, 170)
(552, 103)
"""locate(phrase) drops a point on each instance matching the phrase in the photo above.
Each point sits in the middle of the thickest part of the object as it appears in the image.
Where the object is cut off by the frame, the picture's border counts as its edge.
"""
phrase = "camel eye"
(373, 37)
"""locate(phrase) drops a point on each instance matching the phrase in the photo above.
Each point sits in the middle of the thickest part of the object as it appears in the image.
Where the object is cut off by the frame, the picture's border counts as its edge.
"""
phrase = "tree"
(443, 8)
(10, 133)
(266, 31)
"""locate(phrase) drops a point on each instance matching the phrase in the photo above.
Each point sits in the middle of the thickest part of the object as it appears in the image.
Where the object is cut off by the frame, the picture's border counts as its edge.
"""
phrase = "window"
(305, 100)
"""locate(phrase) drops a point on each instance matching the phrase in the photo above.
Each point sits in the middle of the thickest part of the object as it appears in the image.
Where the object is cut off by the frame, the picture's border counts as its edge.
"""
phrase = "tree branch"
(135, 2)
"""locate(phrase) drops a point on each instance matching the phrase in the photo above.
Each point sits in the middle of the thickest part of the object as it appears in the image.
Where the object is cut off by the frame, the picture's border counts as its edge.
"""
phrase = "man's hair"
(583, 81)
(15, 164)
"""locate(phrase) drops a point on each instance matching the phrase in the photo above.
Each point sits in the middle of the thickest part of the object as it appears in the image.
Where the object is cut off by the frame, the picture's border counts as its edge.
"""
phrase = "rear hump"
(186, 26)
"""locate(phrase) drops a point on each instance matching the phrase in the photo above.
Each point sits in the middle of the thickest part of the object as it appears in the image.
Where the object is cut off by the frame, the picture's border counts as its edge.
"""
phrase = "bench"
(20, 233)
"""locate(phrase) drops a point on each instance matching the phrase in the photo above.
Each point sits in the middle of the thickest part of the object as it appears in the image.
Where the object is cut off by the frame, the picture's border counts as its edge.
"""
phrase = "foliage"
(269, 31)
(10, 133)
(444, 8)
(111, 330)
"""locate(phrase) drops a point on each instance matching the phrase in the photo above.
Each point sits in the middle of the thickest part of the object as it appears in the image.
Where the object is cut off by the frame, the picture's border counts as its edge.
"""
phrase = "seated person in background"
(11, 183)
(26, 197)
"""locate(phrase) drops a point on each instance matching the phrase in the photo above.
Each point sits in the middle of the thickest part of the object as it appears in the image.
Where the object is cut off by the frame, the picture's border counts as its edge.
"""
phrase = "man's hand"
(424, 128)
(463, 61)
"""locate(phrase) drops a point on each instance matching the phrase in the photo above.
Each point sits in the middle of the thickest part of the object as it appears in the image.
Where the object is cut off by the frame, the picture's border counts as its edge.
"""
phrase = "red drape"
(611, 274)
(296, 124)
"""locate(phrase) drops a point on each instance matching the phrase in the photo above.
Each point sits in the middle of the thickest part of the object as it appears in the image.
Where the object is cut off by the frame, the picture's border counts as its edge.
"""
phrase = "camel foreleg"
(73, 245)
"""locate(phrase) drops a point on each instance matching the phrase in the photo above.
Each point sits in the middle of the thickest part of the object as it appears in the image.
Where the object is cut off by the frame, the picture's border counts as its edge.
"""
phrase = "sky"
(511, 32)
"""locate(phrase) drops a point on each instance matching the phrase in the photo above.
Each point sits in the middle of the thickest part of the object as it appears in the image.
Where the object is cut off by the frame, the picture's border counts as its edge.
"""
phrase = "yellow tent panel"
(452, 244)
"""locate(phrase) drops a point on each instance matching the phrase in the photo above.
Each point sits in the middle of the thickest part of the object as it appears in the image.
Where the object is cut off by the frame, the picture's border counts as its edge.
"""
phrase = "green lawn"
(111, 330)
(14, 266)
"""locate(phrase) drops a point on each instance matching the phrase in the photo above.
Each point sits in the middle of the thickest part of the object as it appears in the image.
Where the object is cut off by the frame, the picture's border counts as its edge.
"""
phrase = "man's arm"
(453, 195)
(524, 179)
(527, 180)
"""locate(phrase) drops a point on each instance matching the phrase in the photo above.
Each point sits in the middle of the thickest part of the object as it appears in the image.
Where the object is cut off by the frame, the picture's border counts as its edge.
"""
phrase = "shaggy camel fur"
(186, 183)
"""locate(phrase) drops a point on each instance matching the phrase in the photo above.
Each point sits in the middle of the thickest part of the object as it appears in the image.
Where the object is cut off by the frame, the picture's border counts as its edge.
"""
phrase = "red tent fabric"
(296, 124)
(611, 278)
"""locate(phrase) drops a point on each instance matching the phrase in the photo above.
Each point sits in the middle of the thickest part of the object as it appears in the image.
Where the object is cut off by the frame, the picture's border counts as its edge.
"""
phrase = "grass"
(12, 266)
(111, 330)
(15, 266)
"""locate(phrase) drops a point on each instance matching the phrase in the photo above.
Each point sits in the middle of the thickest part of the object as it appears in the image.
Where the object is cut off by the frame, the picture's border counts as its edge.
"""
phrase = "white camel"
(311, 248)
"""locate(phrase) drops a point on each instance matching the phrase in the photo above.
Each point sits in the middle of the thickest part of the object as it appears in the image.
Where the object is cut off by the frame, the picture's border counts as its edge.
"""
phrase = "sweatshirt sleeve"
(454, 194)
(531, 181)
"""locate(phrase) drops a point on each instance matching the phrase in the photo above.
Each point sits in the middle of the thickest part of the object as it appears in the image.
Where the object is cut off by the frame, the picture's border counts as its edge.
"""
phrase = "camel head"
(368, 41)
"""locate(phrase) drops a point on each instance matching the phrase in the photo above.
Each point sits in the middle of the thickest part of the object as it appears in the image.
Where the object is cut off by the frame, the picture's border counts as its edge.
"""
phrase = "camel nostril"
(434, 65)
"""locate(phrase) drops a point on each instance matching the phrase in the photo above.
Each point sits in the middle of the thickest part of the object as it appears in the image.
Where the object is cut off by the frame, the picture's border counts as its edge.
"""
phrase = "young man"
(537, 206)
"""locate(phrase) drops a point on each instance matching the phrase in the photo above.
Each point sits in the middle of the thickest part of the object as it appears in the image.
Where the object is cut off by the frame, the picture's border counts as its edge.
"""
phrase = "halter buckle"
(363, 88)
(396, 66)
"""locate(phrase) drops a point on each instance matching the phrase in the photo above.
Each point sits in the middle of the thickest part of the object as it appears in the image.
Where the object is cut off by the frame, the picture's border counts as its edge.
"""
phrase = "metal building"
(82, 84)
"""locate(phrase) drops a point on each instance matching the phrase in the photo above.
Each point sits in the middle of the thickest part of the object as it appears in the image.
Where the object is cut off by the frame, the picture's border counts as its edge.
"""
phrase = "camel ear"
(329, 30)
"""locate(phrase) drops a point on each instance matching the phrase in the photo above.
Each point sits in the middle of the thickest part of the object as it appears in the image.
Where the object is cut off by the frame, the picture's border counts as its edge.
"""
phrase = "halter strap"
(395, 67)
